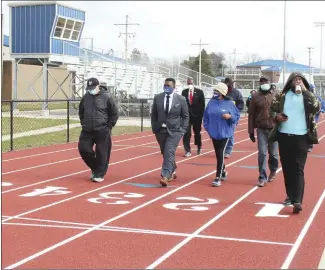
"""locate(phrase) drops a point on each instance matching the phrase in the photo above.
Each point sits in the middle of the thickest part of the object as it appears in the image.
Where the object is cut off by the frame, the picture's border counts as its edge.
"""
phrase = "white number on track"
(194, 206)
(116, 199)
(48, 191)
(6, 184)
(271, 210)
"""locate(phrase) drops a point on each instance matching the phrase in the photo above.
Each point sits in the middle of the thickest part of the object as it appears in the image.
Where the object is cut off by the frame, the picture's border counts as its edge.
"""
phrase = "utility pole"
(309, 52)
(127, 35)
(235, 62)
(200, 61)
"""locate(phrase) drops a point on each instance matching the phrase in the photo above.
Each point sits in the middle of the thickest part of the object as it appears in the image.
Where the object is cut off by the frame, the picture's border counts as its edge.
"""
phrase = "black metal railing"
(34, 123)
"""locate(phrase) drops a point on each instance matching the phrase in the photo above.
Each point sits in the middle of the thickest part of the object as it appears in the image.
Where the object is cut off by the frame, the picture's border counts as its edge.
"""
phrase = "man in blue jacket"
(238, 99)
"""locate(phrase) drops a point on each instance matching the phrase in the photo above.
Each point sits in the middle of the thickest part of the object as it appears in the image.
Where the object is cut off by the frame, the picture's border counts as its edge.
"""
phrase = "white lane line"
(42, 252)
(144, 231)
(68, 149)
(202, 228)
(60, 177)
(303, 233)
(79, 172)
(70, 159)
(100, 188)
(322, 261)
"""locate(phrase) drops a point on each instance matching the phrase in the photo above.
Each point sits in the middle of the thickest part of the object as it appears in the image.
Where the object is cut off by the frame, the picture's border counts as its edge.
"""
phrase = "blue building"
(44, 33)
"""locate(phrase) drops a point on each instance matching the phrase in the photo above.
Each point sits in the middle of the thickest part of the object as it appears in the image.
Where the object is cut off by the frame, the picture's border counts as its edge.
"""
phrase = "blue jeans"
(230, 145)
(265, 146)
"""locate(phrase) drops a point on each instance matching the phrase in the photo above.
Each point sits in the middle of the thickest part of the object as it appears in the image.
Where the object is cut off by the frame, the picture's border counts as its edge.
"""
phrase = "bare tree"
(252, 57)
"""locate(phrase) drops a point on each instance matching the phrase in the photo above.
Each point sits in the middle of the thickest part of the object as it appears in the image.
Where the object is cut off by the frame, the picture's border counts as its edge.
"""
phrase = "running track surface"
(53, 216)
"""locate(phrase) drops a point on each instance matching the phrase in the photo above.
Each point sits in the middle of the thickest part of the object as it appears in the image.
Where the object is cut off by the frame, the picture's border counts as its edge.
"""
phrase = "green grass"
(35, 106)
(59, 137)
(22, 124)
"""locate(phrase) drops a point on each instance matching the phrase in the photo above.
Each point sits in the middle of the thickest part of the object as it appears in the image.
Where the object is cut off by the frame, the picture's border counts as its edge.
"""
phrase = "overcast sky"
(169, 28)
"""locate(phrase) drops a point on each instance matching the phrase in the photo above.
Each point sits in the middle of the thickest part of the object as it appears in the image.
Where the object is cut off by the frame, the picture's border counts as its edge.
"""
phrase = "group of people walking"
(284, 123)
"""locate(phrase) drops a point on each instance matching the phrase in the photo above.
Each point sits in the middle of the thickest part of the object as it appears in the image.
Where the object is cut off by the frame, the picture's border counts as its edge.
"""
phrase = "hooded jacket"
(311, 105)
(258, 111)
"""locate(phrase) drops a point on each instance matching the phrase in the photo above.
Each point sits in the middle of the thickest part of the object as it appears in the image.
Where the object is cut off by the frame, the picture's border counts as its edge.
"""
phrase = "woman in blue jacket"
(220, 118)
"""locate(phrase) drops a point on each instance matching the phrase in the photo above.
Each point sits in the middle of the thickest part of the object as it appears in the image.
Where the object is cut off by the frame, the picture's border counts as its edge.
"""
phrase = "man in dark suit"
(196, 104)
(169, 121)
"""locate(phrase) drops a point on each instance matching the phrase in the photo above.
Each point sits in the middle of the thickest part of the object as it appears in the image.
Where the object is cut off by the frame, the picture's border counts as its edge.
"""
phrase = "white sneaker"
(98, 179)
(187, 154)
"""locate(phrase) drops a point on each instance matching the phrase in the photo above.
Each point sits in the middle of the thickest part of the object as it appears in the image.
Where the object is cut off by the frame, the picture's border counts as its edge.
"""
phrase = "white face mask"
(93, 92)
(265, 87)
(191, 87)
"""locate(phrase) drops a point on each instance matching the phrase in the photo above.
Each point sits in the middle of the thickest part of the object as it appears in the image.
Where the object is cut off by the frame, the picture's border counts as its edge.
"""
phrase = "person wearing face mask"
(294, 113)
(259, 118)
(219, 120)
(238, 99)
(169, 121)
(98, 114)
(196, 104)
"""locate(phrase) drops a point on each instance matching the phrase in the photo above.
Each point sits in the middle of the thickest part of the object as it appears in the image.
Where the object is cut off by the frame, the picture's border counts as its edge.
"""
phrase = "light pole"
(284, 40)
(320, 24)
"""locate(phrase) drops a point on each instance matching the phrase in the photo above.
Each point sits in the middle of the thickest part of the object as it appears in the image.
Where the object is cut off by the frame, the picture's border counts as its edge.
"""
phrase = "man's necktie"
(191, 97)
(167, 105)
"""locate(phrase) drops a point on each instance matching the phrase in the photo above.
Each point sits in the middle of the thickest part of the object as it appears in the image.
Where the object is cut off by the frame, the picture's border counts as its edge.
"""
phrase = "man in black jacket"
(238, 99)
(98, 114)
(196, 104)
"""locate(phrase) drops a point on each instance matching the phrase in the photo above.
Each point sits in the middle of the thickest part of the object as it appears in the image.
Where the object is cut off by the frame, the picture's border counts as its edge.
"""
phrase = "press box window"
(67, 29)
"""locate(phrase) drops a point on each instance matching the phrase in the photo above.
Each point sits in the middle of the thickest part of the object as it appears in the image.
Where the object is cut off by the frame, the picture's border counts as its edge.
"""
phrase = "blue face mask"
(93, 92)
(168, 90)
(216, 95)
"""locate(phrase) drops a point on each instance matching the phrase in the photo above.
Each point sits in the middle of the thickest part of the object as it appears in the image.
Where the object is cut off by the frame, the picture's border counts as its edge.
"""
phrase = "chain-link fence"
(25, 123)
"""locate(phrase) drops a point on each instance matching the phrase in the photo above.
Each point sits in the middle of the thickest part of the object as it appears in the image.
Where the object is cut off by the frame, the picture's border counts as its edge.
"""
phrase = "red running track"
(129, 221)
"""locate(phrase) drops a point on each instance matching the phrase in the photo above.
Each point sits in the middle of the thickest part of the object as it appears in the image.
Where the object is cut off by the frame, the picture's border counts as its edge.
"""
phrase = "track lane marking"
(83, 226)
(44, 251)
(106, 186)
(83, 171)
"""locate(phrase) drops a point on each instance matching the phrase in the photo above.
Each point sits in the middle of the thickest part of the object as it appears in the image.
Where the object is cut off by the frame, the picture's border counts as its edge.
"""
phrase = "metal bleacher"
(131, 81)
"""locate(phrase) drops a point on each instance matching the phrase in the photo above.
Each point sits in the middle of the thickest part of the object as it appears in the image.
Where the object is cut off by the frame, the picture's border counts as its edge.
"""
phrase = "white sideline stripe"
(303, 233)
(100, 188)
(23, 261)
(75, 148)
(70, 159)
(67, 175)
(322, 261)
(202, 228)
(67, 149)
(144, 231)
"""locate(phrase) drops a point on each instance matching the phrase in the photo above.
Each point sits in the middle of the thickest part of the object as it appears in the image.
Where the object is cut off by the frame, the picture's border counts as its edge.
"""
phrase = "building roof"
(38, 3)
(276, 65)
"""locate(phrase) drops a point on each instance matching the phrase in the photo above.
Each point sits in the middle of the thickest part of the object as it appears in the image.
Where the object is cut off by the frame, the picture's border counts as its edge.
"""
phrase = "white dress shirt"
(170, 104)
(170, 101)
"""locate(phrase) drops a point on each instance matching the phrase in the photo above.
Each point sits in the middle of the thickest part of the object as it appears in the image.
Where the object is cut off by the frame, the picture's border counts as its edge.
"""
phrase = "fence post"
(68, 121)
(11, 126)
(142, 111)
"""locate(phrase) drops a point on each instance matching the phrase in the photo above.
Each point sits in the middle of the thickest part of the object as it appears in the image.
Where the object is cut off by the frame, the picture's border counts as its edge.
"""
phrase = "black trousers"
(195, 123)
(220, 148)
(293, 150)
(97, 160)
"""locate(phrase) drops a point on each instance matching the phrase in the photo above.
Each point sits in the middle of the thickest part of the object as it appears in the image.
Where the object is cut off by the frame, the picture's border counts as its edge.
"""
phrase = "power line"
(200, 61)
(127, 35)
